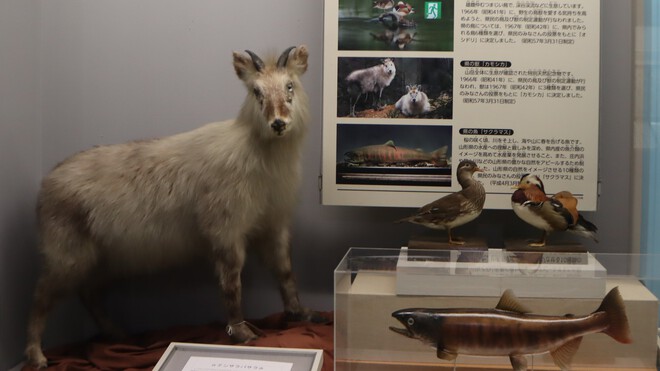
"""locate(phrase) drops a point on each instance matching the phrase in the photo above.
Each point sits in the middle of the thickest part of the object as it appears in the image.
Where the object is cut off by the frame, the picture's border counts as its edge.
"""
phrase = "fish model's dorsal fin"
(390, 143)
(563, 356)
(442, 151)
(511, 303)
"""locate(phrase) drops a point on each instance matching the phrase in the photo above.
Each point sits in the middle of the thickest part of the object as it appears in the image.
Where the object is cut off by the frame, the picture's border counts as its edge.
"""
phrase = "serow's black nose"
(278, 125)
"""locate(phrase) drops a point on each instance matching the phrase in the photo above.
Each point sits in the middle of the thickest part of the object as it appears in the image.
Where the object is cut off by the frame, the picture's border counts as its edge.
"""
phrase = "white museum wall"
(82, 73)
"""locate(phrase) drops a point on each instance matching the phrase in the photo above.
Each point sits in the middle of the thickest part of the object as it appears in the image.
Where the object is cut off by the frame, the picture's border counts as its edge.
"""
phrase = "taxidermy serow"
(413, 103)
(209, 193)
(509, 330)
(370, 80)
(388, 153)
(550, 214)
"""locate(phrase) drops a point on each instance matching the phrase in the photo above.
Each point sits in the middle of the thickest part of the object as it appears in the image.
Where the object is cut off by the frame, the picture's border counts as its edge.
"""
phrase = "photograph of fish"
(414, 155)
(395, 87)
(396, 25)
(510, 330)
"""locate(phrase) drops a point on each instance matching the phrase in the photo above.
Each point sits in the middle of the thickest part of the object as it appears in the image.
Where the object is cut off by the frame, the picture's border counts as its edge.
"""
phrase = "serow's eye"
(289, 87)
(256, 93)
(411, 321)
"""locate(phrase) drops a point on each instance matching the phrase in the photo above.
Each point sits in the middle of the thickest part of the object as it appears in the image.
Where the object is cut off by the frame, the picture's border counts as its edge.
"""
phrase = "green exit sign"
(432, 10)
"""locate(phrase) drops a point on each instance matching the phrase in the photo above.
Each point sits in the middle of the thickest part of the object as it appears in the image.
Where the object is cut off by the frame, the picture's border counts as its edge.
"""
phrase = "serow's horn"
(281, 62)
(258, 63)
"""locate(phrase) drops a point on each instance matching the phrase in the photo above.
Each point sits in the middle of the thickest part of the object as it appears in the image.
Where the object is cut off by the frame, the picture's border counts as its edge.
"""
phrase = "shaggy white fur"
(146, 205)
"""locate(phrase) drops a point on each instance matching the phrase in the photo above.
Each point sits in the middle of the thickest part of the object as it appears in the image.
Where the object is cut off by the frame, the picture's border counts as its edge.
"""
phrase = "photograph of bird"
(404, 8)
(383, 4)
(455, 209)
(557, 213)
(396, 17)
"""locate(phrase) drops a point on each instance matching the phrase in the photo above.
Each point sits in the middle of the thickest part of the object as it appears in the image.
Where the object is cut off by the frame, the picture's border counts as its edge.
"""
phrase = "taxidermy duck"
(454, 209)
(556, 213)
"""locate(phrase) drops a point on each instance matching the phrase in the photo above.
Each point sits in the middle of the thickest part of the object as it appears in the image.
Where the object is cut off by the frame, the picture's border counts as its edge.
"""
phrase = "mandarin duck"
(404, 8)
(396, 17)
(556, 213)
(383, 4)
(454, 209)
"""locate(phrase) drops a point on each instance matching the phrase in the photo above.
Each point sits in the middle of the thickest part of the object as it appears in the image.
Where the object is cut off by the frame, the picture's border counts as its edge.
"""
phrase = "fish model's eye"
(411, 321)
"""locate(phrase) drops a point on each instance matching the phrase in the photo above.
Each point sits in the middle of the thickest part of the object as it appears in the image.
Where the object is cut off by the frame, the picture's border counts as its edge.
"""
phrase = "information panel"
(412, 88)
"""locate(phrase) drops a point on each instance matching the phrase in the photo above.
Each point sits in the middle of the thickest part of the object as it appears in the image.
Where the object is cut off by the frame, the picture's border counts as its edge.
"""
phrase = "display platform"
(490, 272)
(367, 293)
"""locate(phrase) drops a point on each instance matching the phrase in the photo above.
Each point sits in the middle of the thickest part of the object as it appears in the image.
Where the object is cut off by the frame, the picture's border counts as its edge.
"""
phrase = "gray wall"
(20, 168)
(77, 73)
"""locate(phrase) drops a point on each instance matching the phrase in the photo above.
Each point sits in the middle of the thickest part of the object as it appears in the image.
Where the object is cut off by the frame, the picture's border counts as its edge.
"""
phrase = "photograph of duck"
(396, 25)
(550, 214)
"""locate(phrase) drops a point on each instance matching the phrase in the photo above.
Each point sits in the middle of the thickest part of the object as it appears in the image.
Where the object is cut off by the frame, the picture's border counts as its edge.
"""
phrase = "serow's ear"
(295, 60)
(246, 65)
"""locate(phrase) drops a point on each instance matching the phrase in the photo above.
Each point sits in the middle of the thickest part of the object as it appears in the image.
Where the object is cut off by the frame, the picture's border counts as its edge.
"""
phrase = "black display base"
(440, 241)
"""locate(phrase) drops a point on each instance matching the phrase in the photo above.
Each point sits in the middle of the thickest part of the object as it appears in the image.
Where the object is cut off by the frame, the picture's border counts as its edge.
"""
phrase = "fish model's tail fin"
(615, 309)
(618, 329)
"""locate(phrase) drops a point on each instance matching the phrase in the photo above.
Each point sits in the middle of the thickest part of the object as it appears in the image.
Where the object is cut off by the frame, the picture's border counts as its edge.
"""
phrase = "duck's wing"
(554, 213)
(568, 205)
(448, 207)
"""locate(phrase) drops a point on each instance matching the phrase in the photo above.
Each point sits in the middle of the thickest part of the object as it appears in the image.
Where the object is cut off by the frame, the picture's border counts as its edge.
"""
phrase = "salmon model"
(388, 153)
(508, 330)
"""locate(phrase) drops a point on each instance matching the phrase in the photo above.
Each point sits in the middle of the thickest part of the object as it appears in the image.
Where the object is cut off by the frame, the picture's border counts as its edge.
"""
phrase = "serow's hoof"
(36, 358)
(241, 332)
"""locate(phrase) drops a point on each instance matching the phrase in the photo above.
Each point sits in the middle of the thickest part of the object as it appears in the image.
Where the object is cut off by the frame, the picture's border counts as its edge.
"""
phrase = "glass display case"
(372, 284)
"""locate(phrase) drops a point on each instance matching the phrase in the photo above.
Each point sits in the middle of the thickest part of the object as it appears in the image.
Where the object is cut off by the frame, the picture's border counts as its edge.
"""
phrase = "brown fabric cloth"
(142, 352)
